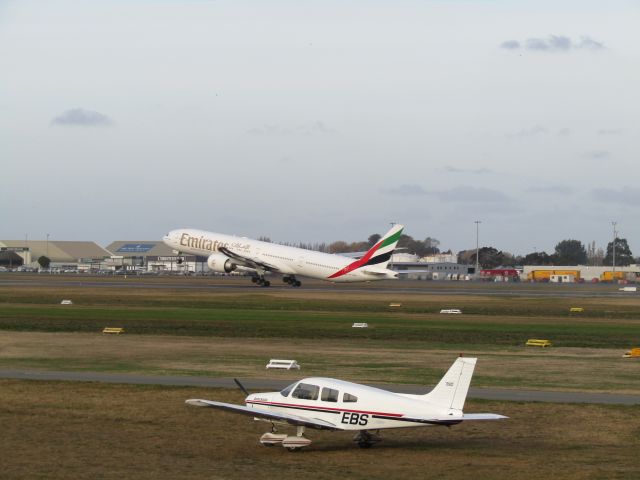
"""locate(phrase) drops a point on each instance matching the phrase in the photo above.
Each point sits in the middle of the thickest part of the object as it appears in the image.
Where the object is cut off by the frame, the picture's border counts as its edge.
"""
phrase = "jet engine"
(220, 263)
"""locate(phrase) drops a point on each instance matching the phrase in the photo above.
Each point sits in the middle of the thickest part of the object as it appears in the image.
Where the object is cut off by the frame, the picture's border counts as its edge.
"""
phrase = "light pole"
(47, 245)
(477, 222)
(614, 252)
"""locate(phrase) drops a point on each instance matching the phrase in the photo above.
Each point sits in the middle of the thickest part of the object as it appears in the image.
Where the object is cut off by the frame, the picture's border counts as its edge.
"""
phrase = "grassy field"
(487, 321)
(86, 430)
(72, 430)
(201, 331)
(359, 360)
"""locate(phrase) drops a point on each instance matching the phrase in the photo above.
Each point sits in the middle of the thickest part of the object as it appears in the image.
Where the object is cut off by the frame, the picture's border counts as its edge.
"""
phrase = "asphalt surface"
(275, 385)
(243, 285)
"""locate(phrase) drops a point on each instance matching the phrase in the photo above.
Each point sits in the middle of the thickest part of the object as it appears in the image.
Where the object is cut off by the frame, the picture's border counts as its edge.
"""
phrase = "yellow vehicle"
(608, 276)
(545, 275)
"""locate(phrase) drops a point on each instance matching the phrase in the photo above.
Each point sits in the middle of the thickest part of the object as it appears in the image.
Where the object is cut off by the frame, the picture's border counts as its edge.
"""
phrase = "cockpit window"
(306, 391)
(287, 391)
(329, 395)
(347, 397)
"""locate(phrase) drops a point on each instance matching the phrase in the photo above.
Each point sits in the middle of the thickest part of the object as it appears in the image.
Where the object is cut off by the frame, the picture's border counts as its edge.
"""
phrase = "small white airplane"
(329, 404)
(227, 253)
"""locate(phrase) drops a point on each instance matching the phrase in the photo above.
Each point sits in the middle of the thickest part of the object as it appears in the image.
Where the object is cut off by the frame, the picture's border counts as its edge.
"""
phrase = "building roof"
(139, 248)
(59, 251)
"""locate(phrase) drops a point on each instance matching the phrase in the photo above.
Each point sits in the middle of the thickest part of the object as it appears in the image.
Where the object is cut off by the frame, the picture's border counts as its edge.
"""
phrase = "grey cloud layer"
(314, 128)
(553, 43)
(625, 195)
(475, 171)
(79, 117)
(538, 130)
(456, 194)
(556, 189)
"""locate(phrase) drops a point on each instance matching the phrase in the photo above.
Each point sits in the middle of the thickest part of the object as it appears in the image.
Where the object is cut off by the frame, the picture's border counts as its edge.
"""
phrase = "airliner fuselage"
(227, 253)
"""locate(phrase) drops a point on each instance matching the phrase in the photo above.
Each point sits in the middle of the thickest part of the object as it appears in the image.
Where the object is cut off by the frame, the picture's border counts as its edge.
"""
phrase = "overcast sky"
(321, 120)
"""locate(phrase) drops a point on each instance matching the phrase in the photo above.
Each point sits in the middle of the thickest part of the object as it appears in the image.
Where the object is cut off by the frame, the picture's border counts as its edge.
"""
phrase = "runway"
(275, 385)
(244, 285)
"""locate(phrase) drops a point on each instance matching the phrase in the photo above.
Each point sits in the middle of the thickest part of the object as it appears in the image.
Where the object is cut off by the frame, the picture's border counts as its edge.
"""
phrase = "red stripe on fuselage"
(358, 263)
(322, 407)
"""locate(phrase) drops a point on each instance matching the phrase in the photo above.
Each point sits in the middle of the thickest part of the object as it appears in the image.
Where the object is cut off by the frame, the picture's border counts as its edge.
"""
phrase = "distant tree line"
(566, 252)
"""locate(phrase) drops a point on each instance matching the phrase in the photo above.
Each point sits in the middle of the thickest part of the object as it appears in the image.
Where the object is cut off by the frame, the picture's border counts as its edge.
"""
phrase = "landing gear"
(260, 281)
(366, 439)
(291, 280)
(290, 442)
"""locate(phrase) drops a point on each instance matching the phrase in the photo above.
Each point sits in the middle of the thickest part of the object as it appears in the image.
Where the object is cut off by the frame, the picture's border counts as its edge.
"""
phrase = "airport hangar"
(87, 256)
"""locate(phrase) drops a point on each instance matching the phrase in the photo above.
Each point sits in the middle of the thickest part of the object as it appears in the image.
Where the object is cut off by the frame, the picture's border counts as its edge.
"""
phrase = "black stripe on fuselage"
(385, 257)
(416, 420)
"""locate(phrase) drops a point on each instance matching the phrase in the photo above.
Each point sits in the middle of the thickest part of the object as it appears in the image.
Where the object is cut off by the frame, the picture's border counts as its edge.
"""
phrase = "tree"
(538, 258)
(44, 262)
(490, 257)
(373, 239)
(595, 256)
(430, 246)
(339, 247)
(623, 253)
(570, 252)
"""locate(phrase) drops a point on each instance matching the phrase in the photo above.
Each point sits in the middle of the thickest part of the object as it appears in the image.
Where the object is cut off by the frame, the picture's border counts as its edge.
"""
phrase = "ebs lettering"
(355, 418)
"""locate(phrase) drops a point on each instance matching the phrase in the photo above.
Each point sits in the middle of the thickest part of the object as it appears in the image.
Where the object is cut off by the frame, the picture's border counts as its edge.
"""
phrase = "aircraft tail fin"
(380, 254)
(452, 389)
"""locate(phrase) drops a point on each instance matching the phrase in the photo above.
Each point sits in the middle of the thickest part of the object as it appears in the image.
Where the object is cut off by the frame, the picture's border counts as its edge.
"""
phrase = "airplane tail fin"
(452, 389)
(381, 252)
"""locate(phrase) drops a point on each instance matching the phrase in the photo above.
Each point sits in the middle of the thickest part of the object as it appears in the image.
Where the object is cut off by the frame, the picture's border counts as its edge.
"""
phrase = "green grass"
(278, 323)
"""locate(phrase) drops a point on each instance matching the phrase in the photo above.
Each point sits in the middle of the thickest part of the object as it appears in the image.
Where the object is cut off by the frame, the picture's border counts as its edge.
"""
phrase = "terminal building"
(153, 256)
(430, 270)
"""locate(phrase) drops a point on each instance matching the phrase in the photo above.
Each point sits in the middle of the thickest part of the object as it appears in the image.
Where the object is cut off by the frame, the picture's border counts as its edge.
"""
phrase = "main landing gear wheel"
(291, 280)
(366, 439)
(260, 281)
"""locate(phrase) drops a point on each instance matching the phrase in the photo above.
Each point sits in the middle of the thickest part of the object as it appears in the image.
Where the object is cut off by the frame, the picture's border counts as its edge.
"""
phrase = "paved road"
(274, 384)
(244, 285)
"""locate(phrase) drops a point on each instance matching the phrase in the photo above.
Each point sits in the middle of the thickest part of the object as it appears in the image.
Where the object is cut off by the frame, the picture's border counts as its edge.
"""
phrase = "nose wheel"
(290, 442)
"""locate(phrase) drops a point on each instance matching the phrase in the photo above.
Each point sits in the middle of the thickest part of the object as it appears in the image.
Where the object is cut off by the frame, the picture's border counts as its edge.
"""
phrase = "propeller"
(241, 387)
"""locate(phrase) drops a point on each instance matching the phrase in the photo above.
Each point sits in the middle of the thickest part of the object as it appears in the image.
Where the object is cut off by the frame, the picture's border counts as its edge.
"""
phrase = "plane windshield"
(306, 391)
(287, 391)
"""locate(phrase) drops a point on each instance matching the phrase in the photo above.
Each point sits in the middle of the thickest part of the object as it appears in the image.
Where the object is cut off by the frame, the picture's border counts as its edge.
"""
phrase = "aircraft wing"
(482, 416)
(248, 261)
(256, 412)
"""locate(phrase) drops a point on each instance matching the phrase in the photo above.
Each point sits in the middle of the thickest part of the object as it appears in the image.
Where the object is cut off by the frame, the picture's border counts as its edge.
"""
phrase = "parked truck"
(545, 275)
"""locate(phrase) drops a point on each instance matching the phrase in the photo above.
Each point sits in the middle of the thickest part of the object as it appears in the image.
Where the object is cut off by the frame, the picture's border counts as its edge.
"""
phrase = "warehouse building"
(64, 255)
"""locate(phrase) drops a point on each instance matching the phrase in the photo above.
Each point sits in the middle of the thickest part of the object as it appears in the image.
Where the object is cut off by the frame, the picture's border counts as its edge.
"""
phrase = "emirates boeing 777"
(227, 253)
